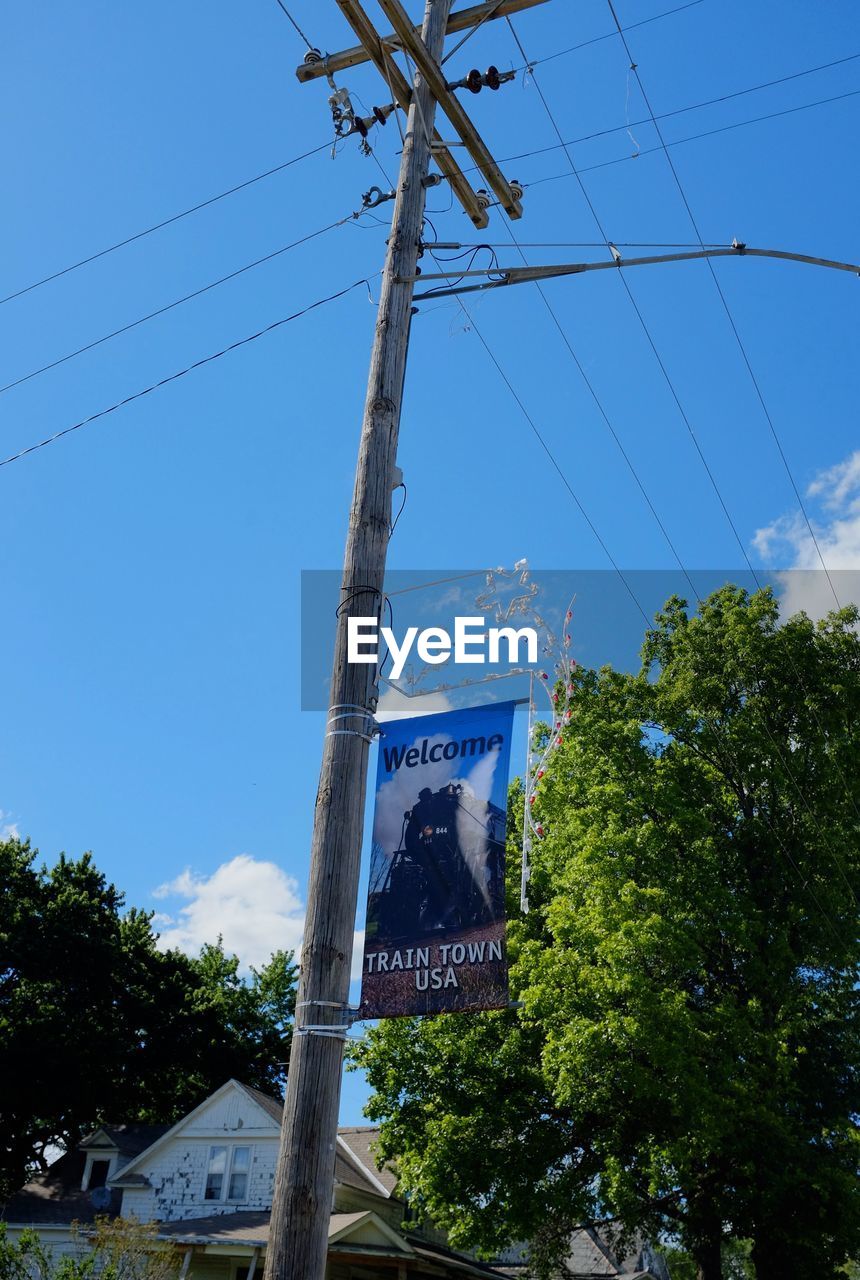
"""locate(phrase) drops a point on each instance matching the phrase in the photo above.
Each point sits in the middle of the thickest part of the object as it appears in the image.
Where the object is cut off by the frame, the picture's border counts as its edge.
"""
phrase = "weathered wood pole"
(305, 1174)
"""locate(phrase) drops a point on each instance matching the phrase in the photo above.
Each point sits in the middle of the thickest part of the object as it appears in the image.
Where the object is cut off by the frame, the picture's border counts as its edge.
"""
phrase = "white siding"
(232, 1111)
(176, 1168)
(177, 1176)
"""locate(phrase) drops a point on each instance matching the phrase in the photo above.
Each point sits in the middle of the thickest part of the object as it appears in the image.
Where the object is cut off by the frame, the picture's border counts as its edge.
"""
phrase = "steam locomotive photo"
(446, 874)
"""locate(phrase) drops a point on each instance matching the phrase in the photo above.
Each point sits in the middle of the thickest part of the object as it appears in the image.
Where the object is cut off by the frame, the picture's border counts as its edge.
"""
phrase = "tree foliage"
(97, 1024)
(685, 1060)
(110, 1249)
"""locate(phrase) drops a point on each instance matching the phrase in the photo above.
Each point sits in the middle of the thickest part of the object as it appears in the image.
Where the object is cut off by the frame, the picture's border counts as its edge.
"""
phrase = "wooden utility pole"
(304, 1179)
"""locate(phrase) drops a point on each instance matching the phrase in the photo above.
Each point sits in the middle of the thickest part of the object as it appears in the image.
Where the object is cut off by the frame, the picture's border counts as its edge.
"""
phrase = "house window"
(239, 1169)
(227, 1173)
(215, 1173)
(97, 1169)
(98, 1173)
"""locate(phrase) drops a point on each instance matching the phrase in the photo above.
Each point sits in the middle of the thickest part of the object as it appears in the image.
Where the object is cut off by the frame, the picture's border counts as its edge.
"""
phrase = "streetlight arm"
(500, 276)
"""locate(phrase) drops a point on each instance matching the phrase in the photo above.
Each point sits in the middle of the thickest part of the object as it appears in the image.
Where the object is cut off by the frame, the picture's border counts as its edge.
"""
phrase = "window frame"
(230, 1150)
(95, 1156)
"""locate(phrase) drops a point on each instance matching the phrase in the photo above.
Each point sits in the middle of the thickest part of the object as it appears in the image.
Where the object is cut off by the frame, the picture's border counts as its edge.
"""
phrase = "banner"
(435, 933)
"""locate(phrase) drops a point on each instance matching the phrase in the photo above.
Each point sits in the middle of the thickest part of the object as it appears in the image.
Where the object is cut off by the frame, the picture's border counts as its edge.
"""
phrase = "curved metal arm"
(523, 275)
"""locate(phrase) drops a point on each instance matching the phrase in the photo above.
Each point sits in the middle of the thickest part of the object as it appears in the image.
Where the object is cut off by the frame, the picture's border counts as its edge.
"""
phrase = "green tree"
(98, 1024)
(686, 1058)
(110, 1249)
(736, 1262)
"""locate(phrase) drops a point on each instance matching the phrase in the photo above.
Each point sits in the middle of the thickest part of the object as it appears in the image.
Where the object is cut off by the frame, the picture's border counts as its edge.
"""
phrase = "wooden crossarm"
(402, 91)
(460, 21)
(432, 73)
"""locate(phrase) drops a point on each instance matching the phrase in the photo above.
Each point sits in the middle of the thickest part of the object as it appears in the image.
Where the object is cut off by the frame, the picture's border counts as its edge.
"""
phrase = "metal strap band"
(351, 733)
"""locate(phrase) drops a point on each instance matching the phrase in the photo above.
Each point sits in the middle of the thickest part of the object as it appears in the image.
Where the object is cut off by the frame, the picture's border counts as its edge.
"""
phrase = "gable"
(98, 1141)
(367, 1230)
(231, 1111)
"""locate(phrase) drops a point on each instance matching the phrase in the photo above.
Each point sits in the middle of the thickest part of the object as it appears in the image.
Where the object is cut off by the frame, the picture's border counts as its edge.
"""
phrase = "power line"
(554, 461)
(291, 19)
(640, 317)
(491, 13)
(694, 224)
(679, 406)
(605, 416)
(178, 302)
(198, 364)
(371, 151)
(166, 222)
(667, 13)
(680, 111)
(804, 880)
(325, 146)
(696, 137)
(775, 435)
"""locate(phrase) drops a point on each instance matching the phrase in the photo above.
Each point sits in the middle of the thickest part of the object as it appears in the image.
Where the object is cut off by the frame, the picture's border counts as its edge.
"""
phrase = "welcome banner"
(435, 933)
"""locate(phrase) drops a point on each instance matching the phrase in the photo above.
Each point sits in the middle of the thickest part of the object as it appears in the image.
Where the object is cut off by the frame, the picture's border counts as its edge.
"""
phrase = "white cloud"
(394, 705)
(788, 541)
(254, 906)
(8, 829)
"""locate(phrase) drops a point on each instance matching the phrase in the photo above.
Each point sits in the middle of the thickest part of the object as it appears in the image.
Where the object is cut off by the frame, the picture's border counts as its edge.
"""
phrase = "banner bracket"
(333, 1030)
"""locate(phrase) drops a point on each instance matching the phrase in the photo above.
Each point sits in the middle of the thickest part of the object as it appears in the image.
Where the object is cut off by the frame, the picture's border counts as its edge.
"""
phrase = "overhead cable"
(553, 460)
(291, 19)
(667, 13)
(730, 317)
(670, 384)
(166, 222)
(325, 146)
(680, 111)
(695, 137)
(606, 419)
(177, 302)
(198, 364)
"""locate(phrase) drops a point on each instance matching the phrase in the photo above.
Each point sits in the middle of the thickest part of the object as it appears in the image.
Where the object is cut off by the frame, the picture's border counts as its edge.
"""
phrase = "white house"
(207, 1182)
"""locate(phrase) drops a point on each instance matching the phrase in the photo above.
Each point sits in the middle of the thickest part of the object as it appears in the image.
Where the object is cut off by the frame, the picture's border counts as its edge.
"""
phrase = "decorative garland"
(559, 691)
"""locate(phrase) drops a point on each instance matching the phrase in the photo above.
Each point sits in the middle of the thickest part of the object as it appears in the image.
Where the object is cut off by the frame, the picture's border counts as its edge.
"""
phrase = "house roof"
(362, 1232)
(262, 1100)
(353, 1165)
(129, 1139)
(361, 1141)
(56, 1196)
(438, 1253)
(272, 1106)
(590, 1258)
(252, 1229)
(244, 1228)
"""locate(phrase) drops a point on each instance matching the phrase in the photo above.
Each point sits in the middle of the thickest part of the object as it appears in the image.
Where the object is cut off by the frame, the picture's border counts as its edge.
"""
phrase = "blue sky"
(151, 561)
